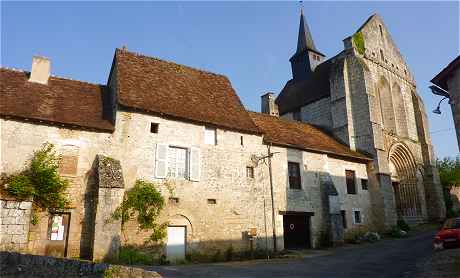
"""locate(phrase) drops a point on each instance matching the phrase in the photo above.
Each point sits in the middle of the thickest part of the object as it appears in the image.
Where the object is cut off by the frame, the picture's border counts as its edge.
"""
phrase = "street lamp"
(438, 108)
(440, 92)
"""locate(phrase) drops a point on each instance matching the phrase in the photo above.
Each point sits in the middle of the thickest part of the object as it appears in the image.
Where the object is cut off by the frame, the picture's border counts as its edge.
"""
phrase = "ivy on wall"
(40, 180)
(143, 203)
(358, 41)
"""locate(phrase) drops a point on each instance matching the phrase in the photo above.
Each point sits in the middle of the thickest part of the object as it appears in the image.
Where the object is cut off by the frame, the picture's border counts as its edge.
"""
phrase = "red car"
(449, 235)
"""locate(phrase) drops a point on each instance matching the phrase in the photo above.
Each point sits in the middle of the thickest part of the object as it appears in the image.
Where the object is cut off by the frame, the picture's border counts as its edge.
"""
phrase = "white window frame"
(207, 133)
(360, 214)
(186, 163)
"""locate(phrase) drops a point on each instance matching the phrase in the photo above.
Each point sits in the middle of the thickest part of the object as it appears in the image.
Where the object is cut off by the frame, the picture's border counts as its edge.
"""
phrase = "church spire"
(304, 40)
(307, 57)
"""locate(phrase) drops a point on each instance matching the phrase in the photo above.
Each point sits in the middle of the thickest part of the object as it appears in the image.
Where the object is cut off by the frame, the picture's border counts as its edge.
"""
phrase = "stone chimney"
(268, 104)
(41, 67)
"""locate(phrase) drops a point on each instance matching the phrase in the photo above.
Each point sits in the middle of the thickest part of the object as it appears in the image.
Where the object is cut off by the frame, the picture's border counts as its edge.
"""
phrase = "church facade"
(232, 179)
(367, 97)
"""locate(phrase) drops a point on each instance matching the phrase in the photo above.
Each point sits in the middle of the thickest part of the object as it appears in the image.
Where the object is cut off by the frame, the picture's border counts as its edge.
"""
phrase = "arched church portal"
(404, 180)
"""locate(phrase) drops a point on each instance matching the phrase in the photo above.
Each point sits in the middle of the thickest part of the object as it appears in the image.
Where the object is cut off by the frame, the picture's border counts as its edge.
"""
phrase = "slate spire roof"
(305, 39)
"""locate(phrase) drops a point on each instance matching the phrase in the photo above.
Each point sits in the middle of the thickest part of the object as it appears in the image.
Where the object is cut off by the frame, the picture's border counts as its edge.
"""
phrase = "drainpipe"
(270, 154)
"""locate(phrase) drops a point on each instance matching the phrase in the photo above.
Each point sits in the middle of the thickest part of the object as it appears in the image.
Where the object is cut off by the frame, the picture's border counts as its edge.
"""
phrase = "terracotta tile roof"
(62, 101)
(296, 94)
(293, 134)
(179, 91)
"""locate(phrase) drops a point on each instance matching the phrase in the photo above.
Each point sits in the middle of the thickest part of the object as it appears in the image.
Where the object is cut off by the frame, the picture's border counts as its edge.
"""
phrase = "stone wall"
(24, 265)
(239, 199)
(14, 224)
(453, 85)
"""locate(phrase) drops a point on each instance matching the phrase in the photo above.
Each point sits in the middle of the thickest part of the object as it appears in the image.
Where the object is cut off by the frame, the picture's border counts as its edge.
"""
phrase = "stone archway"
(404, 180)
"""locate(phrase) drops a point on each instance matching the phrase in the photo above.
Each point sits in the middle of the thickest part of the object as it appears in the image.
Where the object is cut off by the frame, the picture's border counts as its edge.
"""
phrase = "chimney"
(268, 104)
(40, 72)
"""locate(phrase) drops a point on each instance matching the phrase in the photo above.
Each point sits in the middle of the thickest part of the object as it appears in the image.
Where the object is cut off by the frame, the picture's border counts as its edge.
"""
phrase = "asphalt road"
(388, 258)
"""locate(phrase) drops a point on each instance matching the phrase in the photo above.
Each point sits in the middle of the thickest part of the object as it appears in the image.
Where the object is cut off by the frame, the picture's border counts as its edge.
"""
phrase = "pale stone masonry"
(14, 224)
(367, 97)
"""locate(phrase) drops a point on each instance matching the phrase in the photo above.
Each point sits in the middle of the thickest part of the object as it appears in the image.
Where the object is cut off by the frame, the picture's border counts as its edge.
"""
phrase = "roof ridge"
(170, 62)
(54, 76)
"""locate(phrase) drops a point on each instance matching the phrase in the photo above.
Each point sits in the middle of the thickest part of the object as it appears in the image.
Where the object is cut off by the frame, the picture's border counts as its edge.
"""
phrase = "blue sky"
(250, 42)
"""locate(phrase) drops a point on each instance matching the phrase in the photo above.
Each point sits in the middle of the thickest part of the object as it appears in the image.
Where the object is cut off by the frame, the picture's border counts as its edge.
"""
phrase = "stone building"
(231, 178)
(157, 121)
(449, 82)
(366, 96)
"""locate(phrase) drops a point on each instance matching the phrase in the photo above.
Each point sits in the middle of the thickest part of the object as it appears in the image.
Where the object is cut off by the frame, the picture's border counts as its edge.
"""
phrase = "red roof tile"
(62, 101)
(298, 135)
(170, 89)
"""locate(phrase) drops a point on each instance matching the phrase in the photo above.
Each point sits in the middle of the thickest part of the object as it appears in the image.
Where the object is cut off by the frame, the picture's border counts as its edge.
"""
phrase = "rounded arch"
(404, 180)
(399, 110)
(386, 104)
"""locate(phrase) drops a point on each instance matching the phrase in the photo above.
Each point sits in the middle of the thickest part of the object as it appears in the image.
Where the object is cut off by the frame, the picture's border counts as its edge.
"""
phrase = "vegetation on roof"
(358, 41)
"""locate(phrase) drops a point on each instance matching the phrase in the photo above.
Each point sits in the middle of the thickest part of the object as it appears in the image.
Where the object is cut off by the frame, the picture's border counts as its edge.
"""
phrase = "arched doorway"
(404, 180)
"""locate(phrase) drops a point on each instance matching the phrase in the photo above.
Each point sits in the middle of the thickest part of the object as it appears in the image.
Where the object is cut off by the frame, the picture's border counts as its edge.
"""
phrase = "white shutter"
(161, 161)
(194, 164)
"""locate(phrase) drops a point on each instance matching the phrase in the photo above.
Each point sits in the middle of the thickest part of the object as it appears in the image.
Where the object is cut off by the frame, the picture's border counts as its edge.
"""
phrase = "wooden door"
(296, 231)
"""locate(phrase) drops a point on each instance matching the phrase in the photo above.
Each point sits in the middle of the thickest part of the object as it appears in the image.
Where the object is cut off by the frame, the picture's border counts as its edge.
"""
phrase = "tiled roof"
(62, 101)
(298, 135)
(296, 94)
(174, 90)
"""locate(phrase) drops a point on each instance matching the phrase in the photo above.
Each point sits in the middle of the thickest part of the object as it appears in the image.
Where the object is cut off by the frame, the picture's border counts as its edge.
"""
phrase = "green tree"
(40, 180)
(449, 174)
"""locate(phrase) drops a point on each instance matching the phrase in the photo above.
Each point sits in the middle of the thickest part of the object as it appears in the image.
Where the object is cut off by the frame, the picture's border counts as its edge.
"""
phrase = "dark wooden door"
(296, 231)
(58, 230)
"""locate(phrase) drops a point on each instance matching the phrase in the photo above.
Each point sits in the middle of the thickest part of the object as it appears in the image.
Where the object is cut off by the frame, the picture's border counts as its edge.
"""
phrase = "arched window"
(386, 105)
(400, 110)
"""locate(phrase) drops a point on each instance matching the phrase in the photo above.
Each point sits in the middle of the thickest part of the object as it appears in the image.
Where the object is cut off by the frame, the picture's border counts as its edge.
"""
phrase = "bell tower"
(307, 57)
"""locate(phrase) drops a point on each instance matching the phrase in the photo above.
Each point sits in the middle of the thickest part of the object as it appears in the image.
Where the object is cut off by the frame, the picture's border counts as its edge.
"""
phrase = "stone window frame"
(361, 216)
(208, 132)
(294, 182)
(350, 182)
(250, 172)
(364, 184)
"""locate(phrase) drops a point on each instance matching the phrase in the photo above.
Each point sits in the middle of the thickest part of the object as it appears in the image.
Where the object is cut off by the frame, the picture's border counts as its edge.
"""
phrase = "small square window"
(210, 136)
(357, 217)
(250, 172)
(212, 201)
(173, 200)
(364, 184)
(153, 127)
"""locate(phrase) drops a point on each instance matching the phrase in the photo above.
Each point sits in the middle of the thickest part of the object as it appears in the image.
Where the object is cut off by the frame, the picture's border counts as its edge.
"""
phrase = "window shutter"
(161, 161)
(194, 164)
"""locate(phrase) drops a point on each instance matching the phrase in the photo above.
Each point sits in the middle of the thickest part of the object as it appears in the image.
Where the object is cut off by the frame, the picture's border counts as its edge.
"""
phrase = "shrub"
(131, 255)
(40, 180)
(144, 203)
(229, 253)
(402, 225)
(355, 235)
(396, 232)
